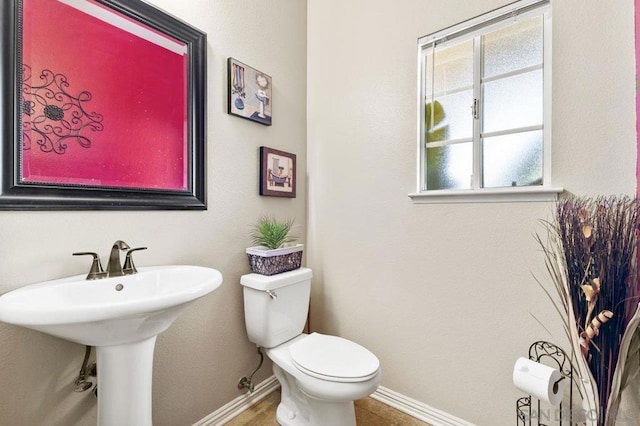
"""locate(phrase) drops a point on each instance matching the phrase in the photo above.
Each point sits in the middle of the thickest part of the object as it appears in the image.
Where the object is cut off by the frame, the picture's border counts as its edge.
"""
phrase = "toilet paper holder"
(530, 409)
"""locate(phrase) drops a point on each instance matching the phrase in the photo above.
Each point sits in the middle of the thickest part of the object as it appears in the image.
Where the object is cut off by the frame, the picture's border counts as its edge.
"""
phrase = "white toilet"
(320, 376)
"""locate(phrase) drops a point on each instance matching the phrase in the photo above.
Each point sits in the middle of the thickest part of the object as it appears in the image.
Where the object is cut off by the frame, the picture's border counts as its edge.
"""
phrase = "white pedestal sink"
(121, 317)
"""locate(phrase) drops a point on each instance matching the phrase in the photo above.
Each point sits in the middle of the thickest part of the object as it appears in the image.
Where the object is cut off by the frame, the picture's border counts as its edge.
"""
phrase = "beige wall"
(443, 293)
(199, 360)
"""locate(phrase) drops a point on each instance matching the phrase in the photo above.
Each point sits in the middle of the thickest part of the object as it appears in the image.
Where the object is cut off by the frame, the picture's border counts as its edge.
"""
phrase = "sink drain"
(119, 287)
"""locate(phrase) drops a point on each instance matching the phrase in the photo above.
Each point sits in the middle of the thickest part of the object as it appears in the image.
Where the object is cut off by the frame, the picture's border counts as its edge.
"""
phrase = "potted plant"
(273, 252)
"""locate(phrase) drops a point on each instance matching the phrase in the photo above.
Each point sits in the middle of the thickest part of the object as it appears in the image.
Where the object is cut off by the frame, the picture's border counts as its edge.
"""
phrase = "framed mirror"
(102, 106)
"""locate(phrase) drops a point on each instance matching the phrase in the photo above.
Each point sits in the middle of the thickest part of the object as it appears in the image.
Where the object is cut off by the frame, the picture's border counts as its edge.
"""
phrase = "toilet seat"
(333, 358)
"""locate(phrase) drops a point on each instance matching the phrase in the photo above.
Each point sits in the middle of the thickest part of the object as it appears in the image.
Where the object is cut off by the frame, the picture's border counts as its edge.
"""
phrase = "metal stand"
(525, 414)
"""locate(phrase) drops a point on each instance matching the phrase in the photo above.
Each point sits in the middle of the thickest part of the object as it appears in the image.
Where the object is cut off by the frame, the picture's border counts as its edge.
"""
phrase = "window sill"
(491, 195)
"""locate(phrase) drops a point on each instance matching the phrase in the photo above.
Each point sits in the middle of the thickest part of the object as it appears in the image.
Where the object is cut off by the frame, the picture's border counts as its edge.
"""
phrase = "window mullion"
(546, 61)
(422, 150)
(476, 178)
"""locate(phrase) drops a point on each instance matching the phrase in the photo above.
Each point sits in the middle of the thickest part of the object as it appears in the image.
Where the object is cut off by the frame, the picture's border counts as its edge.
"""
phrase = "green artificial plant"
(271, 233)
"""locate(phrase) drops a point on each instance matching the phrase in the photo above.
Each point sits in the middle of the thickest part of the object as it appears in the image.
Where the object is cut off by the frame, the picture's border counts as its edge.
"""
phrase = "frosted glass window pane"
(514, 47)
(453, 116)
(513, 160)
(453, 70)
(513, 102)
(450, 166)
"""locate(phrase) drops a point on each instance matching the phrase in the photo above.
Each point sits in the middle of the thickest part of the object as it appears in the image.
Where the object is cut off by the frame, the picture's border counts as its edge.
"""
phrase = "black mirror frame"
(17, 196)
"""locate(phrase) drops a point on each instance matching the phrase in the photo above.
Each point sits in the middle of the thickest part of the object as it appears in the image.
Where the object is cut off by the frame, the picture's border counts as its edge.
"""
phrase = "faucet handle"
(129, 268)
(96, 271)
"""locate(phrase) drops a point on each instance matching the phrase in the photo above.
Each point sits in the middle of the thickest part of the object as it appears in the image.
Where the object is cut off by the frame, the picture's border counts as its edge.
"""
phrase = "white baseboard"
(394, 399)
(225, 413)
(417, 409)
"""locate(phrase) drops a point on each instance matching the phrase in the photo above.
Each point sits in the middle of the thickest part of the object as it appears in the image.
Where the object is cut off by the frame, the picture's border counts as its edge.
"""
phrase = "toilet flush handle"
(272, 294)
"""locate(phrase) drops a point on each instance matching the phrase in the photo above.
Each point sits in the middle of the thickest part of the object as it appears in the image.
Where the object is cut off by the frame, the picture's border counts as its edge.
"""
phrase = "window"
(484, 105)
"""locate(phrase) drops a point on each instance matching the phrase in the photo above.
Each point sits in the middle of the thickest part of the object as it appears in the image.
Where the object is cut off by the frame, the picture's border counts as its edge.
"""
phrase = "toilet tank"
(276, 306)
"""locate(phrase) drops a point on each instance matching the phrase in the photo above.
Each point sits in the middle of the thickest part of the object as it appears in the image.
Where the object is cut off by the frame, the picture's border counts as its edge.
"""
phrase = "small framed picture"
(277, 173)
(249, 92)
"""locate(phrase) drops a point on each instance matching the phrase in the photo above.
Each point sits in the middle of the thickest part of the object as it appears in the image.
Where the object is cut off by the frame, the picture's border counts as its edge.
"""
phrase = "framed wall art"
(277, 173)
(249, 92)
(103, 107)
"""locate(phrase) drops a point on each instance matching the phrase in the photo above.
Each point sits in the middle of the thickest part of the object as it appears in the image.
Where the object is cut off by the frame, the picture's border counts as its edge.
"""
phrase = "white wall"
(443, 293)
(200, 359)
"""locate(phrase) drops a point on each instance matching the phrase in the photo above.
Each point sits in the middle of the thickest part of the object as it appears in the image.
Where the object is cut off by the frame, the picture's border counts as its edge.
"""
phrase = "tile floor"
(369, 412)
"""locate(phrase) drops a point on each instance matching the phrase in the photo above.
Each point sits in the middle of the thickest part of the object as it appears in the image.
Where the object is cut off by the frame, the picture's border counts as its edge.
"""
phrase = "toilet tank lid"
(271, 282)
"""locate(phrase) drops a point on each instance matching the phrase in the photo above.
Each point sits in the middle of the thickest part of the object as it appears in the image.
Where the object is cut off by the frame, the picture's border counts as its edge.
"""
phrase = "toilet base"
(311, 401)
(299, 409)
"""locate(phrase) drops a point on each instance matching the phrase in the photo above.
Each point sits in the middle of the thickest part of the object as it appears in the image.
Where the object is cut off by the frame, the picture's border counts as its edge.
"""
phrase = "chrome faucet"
(114, 267)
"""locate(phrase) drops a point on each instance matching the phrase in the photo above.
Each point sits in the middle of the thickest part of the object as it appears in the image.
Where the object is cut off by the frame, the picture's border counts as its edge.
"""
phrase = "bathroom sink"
(109, 311)
(121, 317)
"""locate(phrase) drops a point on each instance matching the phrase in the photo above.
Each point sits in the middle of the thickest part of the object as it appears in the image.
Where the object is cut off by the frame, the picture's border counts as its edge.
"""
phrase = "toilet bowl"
(320, 375)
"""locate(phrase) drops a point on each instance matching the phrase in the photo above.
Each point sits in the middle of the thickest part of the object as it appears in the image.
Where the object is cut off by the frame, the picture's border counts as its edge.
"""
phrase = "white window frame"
(465, 31)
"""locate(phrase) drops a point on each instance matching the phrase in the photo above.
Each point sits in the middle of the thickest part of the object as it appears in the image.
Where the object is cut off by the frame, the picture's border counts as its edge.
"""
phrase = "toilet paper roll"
(539, 380)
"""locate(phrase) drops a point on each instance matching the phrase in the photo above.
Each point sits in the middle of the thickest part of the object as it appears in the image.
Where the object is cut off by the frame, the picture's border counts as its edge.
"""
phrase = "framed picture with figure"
(249, 92)
(277, 173)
